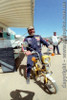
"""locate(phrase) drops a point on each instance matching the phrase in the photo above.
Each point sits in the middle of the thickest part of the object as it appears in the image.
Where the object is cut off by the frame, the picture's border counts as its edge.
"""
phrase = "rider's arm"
(24, 49)
(44, 42)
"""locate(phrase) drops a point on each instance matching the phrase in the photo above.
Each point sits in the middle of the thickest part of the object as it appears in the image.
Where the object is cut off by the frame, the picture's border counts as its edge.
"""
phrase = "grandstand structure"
(16, 13)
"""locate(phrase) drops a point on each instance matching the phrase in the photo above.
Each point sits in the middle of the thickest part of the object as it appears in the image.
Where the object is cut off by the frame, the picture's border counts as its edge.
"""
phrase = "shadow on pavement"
(16, 95)
(42, 86)
(47, 53)
(22, 70)
(19, 60)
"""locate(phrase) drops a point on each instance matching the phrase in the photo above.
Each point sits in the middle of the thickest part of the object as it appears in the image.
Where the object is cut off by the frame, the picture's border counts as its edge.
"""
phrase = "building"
(13, 13)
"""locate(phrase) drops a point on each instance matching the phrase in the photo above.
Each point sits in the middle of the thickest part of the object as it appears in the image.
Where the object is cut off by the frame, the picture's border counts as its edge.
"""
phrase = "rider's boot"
(28, 80)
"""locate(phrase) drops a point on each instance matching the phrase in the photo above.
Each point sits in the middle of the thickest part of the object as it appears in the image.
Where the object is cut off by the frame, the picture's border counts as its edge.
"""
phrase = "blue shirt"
(35, 42)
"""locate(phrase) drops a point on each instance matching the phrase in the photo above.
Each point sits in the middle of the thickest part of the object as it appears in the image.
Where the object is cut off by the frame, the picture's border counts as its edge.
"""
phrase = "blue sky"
(48, 18)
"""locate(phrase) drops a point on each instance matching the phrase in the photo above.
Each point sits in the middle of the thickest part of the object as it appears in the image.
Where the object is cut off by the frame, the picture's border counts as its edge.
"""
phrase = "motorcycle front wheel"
(51, 86)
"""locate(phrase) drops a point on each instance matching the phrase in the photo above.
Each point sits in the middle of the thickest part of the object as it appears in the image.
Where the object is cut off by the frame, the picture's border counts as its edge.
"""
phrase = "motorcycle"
(41, 69)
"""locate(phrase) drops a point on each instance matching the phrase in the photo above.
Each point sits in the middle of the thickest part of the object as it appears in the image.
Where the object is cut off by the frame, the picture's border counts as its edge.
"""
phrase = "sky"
(48, 18)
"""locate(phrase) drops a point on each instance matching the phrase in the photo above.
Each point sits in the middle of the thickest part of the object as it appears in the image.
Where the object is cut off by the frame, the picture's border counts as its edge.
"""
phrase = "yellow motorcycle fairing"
(44, 57)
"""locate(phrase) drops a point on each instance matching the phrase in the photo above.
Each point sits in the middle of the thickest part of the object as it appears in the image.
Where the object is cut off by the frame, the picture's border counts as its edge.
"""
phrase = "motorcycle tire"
(49, 85)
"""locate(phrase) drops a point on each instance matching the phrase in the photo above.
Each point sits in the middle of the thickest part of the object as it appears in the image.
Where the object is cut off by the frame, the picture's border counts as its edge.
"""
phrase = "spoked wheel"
(52, 87)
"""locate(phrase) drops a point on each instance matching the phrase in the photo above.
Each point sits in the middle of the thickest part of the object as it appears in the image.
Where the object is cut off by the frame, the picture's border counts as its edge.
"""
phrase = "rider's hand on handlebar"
(28, 53)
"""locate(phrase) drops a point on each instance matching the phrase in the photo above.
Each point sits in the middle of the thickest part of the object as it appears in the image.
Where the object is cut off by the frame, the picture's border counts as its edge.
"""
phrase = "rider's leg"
(29, 66)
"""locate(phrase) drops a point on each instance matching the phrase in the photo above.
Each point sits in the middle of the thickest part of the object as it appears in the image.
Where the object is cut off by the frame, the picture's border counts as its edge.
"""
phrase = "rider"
(34, 42)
